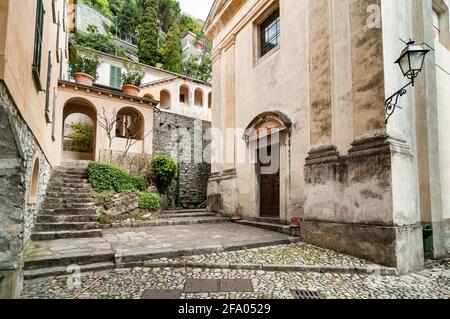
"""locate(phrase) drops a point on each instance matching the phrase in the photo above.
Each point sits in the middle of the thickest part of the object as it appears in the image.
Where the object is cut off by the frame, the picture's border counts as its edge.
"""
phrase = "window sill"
(266, 56)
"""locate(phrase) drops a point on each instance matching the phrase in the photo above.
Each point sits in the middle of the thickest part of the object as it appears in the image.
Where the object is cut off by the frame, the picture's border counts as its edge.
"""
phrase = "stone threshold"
(369, 270)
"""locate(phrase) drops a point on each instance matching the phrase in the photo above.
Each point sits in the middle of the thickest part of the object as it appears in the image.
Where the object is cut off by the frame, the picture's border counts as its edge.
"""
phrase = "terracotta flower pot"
(130, 89)
(83, 78)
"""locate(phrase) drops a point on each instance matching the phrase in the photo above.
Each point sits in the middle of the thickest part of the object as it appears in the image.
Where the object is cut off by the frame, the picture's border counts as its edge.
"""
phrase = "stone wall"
(18, 152)
(186, 140)
(89, 16)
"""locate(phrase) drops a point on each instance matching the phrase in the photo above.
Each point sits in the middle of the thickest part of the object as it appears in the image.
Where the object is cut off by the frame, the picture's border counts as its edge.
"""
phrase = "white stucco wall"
(443, 100)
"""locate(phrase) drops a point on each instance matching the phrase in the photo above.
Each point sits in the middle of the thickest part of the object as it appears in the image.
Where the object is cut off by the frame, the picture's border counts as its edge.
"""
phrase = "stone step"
(64, 270)
(68, 200)
(73, 190)
(60, 180)
(70, 259)
(65, 226)
(70, 172)
(275, 227)
(69, 195)
(69, 185)
(67, 205)
(66, 219)
(53, 235)
(69, 211)
(178, 211)
(186, 221)
(181, 215)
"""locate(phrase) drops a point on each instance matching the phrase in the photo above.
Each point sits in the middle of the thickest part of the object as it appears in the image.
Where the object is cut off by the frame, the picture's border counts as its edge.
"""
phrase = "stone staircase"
(68, 210)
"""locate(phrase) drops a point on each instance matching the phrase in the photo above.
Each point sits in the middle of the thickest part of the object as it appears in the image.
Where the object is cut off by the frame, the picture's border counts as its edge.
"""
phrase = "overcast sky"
(196, 8)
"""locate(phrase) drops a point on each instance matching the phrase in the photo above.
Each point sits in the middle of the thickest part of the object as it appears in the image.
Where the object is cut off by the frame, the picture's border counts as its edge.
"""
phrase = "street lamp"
(411, 62)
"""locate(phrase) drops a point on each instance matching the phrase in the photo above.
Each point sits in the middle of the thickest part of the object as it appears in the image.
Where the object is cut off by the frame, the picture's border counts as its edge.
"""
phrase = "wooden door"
(269, 183)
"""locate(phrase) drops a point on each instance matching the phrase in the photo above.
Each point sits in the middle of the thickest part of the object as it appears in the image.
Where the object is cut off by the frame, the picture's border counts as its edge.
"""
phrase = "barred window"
(270, 33)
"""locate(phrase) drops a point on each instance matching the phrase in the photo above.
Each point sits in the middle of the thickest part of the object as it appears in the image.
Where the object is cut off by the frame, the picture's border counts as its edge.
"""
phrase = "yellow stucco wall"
(17, 33)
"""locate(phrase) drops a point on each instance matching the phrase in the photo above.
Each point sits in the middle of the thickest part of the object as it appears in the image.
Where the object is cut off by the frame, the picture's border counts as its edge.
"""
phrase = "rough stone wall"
(88, 16)
(187, 141)
(18, 150)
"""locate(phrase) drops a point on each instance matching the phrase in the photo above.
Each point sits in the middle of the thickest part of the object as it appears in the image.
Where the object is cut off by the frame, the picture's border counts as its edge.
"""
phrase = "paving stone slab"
(156, 294)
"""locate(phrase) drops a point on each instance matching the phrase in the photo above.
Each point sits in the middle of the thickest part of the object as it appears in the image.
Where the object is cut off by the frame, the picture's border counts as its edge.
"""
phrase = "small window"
(37, 54)
(436, 25)
(115, 78)
(34, 186)
(269, 32)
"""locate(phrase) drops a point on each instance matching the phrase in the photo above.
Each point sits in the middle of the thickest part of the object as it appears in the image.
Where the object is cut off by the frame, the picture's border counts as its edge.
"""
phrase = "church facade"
(300, 130)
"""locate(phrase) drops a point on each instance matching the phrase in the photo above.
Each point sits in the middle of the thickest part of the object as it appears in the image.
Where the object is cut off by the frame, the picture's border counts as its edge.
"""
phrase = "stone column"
(342, 82)
(320, 73)
(367, 71)
(230, 105)
(427, 129)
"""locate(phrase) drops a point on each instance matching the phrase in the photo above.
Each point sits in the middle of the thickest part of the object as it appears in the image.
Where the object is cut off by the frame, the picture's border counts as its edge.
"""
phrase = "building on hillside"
(305, 82)
(192, 45)
(41, 108)
(178, 94)
(88, 19)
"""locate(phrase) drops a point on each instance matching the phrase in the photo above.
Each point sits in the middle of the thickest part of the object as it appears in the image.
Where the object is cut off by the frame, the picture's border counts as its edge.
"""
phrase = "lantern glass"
(411, 60)
(404, 64)
(417, 58)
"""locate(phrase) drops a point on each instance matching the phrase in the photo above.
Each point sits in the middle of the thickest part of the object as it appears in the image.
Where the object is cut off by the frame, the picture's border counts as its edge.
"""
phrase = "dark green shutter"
(49, 78)
(38, 36)
(115, 77)
(53, 114)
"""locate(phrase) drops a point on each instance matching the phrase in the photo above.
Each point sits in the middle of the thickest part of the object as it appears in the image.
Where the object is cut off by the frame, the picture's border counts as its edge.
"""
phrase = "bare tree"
(134, 135)
(108, 125)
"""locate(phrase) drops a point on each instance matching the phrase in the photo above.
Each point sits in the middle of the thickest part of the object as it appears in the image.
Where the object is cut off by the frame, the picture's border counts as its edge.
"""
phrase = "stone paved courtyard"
(138, 243)
(432, 283)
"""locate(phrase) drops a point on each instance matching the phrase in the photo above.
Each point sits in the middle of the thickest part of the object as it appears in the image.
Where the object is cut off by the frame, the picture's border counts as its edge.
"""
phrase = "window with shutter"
(37, 55)
(47, 88)
(57, 39)
(115, 78)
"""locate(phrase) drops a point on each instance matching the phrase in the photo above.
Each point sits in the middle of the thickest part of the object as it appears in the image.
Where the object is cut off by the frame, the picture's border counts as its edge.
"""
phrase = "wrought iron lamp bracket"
(391, 104)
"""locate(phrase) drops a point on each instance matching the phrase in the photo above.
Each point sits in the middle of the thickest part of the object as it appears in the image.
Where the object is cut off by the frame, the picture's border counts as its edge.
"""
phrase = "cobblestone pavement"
(294, 254)
(432, 283)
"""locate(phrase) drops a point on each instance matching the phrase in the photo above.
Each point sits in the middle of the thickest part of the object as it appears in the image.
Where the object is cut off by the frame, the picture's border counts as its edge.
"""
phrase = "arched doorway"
(79, 130)
(268, 139)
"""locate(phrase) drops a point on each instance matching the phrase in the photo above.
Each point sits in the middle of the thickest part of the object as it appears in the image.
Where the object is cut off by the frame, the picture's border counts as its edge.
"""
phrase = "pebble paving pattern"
(432, 283)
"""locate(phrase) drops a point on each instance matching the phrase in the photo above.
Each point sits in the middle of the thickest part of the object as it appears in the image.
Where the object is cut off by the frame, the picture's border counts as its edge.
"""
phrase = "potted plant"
(84, 64)
(132, 79)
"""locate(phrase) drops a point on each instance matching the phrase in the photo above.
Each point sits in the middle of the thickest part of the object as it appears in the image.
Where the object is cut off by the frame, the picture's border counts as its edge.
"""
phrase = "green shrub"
(149, 201)
(83, 60)
(139, 183)
(104, 176)
(165, 170)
